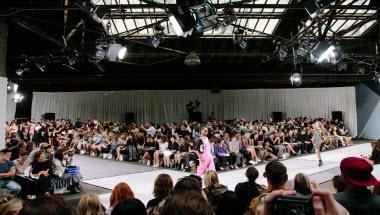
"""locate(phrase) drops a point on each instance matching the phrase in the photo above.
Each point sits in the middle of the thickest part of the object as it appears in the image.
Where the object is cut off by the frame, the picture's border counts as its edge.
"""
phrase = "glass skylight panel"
(272, 24)
(363, 29)
(261, 24)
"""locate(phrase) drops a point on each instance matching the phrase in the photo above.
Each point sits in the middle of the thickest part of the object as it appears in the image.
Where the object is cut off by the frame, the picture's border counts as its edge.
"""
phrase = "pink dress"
(206, 161)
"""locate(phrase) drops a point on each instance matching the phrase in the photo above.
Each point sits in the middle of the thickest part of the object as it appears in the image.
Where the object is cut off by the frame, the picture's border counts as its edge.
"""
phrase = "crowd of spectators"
(357, 193)
(37, 164)
(234, 144)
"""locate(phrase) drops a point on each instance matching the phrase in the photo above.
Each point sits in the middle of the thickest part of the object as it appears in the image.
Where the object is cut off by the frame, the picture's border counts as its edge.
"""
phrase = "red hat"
(357, 171)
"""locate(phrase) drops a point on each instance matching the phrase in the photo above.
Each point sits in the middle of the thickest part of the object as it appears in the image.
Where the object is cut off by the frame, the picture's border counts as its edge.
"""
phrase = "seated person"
(41, 172)
(61, 179)
(7, 172)
(223, 154)
(149, 148)
(162, 151)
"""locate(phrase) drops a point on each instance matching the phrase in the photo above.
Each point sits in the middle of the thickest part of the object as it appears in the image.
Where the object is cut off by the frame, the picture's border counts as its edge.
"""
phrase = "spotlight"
(17, 97)
(40, 67)
(205, 17)
(72, 59)
(192, 59)
(181, 20)
(312, 9)
(325, 52)
(158, 35)
(111, 51)
(239, 38)
(296, 79)
(19, 71)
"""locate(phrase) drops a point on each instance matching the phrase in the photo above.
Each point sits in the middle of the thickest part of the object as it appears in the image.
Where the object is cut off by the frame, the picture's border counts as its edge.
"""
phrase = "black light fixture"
(229, 18)
(181, 20)
(111, 51)
(41, 67)
(192, 59)
(205, 17)
(325, 52)
(23, 68)
(239, 38)
(99, 13)
(312, 8)
(296, 79)
(158, 36)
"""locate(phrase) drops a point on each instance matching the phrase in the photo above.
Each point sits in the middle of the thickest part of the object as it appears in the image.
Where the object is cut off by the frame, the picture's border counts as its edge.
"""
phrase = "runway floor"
(106, 174)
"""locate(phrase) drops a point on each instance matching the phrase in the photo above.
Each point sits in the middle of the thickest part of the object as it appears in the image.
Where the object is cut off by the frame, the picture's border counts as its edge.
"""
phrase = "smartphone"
(293, 205)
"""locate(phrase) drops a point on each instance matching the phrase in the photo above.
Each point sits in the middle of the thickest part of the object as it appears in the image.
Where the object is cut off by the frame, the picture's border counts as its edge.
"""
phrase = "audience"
(338, 183)
(7, 172)
(89, 204)
(302, 184)
(119, 193)
(213, 189)
(11, 206)
(187, 203)
(376, 189)
(163, 186)
(246, 191)
(51, 205)
(41, 153)
(129, 206)
(276, 175)
(357, 198)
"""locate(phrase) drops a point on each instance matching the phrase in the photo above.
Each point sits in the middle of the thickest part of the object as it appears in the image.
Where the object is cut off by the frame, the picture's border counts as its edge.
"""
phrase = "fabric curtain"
(11, 109)
(170, 105)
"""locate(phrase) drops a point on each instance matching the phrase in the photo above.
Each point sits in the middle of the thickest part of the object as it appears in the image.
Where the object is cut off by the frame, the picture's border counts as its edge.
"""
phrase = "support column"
(3, 79)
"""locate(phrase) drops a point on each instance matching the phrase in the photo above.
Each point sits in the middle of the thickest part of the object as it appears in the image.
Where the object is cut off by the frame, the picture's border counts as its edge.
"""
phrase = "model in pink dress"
(206, 161)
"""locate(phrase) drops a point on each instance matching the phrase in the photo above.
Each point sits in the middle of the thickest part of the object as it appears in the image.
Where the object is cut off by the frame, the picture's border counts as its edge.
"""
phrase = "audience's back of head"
(11, 207)
(187, 184)
(211, 178)
(188, 203)
(89, 204)
(129, 206)
(121, 192)
(339, 183)
(163, 185)
(252, 173)
(47, 206)
(302, 184)
(276, 174)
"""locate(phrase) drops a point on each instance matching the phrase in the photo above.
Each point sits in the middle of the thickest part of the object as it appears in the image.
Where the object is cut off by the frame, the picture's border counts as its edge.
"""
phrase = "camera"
(293, 205)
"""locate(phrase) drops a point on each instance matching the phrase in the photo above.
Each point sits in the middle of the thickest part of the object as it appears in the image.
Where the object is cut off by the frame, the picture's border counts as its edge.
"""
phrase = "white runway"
(142, 183)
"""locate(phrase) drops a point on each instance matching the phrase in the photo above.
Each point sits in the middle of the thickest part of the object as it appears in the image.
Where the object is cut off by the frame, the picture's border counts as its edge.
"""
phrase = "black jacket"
(359, 201)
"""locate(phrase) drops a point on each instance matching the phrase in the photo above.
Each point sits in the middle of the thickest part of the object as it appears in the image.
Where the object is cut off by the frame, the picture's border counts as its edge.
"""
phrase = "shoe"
(320, 163)
(252, 162)
(221, 168)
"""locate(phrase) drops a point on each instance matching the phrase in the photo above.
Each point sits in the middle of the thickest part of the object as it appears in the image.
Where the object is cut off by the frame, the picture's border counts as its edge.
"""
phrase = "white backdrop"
(165, 105)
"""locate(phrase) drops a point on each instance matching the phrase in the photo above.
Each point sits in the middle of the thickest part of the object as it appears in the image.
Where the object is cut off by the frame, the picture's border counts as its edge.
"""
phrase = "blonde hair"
(211, 178)
(89, 204)
(7, 208)
(302, 184)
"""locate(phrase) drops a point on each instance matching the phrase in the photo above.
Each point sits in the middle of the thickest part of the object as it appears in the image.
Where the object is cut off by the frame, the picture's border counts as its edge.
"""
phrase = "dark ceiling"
(36, 29)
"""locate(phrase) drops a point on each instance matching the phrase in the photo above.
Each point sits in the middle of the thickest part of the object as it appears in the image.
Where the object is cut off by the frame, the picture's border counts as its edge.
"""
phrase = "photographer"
(322, 200)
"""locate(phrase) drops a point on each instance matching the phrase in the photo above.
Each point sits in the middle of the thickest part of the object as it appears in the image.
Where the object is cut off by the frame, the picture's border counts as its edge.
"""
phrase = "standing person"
(357, 198)
(317, 140)
(203, 150)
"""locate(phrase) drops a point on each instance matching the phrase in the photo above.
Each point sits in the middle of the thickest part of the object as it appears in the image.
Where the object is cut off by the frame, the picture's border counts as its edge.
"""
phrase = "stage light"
(110, 51)
(296, 79)
(312, 9)
(181, 20)
(192, 59)
(158, 36)
(40, 67)
(240, 39)
(17, 97)
(326, 52)
(205, 17)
